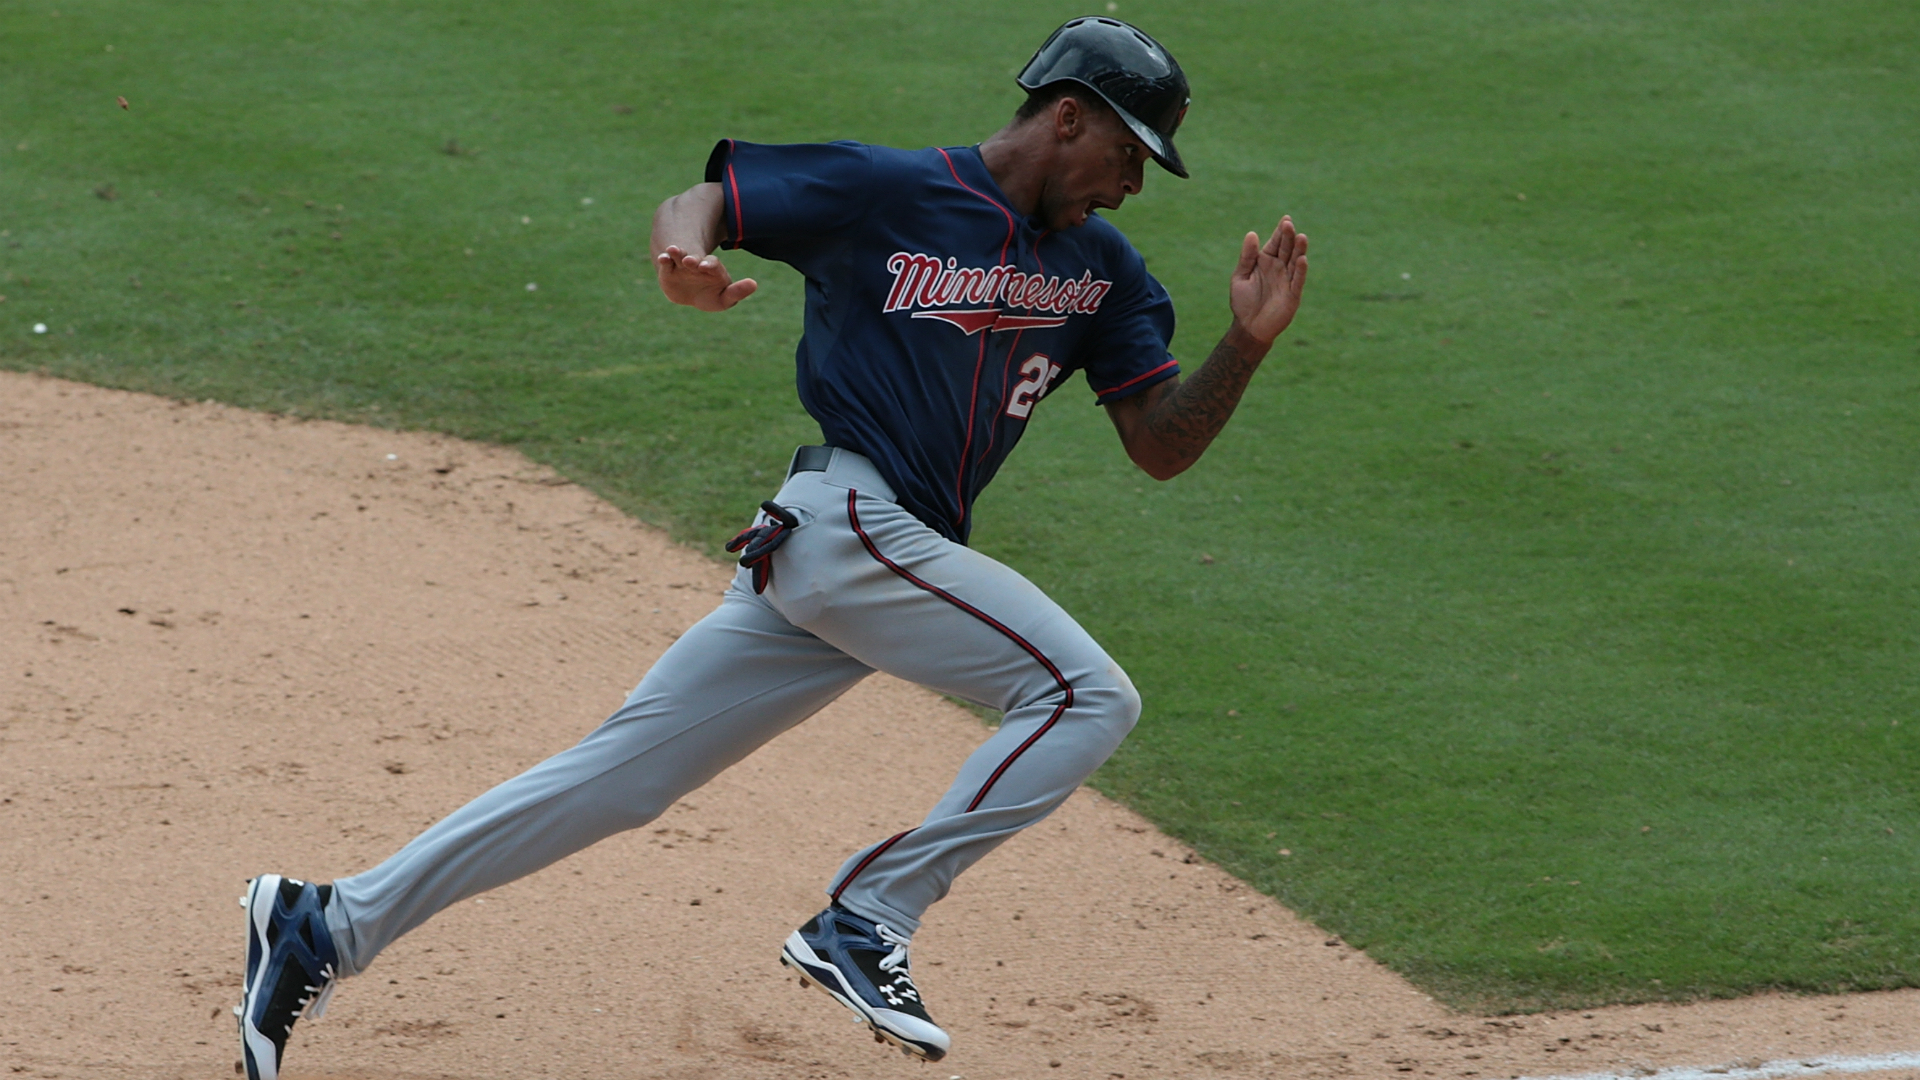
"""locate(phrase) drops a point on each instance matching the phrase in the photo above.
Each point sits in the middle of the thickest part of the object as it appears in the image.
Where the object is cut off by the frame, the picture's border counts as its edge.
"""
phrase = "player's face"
(1098, 168)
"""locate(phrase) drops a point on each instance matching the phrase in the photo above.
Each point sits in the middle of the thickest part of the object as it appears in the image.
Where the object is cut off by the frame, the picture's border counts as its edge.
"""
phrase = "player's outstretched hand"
(701, 282)
(1265, 291)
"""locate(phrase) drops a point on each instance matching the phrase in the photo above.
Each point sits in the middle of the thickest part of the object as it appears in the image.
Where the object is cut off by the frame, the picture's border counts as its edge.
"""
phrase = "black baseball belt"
(811, 459)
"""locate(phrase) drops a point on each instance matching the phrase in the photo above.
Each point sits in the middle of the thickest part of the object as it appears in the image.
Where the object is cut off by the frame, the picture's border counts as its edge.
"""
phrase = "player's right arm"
(686, 230)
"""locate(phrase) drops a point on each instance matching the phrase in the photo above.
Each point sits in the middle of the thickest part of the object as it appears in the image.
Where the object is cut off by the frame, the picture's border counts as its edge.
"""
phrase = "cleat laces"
(314, 1005)
(898, 956)
(901, 989)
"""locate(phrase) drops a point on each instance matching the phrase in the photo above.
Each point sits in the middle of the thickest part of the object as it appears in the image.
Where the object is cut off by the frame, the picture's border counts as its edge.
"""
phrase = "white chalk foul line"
(1772, 1070)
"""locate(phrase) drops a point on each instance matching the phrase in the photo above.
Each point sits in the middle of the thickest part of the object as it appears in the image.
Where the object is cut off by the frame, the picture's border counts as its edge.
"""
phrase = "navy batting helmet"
(1128, 69)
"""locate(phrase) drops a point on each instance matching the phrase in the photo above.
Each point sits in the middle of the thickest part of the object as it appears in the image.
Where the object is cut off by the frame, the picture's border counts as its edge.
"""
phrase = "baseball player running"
(948, 291)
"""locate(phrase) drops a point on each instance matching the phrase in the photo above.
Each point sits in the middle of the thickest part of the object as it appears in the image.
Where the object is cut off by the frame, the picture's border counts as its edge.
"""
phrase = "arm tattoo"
(1186, 419)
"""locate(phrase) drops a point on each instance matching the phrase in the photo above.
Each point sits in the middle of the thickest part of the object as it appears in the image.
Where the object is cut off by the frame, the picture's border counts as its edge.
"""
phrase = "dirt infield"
(232, 643)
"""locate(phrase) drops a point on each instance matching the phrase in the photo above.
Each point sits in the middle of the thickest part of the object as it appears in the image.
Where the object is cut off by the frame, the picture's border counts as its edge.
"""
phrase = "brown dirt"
(232, 643)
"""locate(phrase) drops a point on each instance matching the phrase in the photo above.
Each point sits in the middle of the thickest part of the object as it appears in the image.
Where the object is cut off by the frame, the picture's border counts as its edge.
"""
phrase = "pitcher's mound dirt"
(235, 643)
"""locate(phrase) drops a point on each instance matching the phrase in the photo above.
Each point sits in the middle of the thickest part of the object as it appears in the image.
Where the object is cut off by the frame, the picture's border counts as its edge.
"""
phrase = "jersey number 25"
(1040, 373)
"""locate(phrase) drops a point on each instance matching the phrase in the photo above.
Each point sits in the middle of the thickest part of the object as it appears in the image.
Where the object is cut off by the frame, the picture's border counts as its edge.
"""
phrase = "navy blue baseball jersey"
(936, 314)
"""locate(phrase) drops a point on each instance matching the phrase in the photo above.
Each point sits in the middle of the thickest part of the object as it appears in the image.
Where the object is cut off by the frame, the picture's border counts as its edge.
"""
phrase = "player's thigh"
(735, 679)
(876, 583)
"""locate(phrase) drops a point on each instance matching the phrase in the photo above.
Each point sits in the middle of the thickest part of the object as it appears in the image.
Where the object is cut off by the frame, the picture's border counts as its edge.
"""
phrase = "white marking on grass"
(1772, 1070)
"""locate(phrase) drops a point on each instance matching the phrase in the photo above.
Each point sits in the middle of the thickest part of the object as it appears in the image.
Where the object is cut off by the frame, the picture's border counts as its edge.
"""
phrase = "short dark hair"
(1040, 100)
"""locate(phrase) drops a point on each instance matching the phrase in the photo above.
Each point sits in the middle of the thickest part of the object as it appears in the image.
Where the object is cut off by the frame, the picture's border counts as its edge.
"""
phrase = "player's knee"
(1127, 712)
(1119, 705)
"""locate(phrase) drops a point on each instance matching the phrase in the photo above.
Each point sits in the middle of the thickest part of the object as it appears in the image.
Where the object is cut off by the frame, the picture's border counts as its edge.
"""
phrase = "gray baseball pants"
(860, 586)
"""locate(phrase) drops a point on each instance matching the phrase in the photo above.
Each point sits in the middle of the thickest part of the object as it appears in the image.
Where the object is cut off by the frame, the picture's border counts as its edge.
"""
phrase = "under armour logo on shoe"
(905, 992)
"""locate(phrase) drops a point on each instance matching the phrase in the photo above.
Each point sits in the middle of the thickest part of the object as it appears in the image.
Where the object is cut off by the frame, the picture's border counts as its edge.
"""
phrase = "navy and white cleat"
(863, 964)
(291, 966)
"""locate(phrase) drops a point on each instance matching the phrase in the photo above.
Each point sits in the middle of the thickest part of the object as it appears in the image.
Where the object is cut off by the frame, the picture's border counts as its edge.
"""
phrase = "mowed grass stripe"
(1567, 540)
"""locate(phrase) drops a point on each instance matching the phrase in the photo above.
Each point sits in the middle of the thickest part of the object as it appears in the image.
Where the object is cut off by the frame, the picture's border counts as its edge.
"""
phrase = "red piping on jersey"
(996, 205)
(739, 224)
(1006, 369)
(1137, 378)
(1066, 688)
(1006, 376)
(973, 402)
(973, 407)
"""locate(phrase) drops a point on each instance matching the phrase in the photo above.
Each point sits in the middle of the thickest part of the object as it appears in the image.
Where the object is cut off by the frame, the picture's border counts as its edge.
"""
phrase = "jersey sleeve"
(1133, 331)
(779, 196)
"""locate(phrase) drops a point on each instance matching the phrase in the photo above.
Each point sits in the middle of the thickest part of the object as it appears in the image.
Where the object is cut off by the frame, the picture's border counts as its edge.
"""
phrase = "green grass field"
(1561, 613)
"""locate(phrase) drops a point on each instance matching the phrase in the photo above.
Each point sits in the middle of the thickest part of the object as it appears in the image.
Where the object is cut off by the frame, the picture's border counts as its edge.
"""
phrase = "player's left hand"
(1265, 290)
